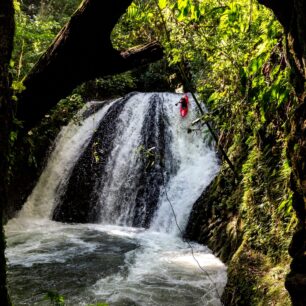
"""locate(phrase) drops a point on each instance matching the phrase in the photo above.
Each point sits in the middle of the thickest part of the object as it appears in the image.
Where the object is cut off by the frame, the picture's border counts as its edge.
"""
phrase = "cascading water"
(117, 173)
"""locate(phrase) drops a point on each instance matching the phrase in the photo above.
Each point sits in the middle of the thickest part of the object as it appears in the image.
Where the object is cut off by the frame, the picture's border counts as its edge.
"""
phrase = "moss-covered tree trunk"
(6, 45)
(292, 15)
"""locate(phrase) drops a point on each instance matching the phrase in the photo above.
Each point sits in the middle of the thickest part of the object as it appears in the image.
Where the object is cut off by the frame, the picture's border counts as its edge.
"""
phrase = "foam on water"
(163, 272)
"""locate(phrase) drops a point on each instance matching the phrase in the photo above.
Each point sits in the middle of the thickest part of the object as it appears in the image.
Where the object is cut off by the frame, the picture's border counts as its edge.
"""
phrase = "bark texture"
(292, 15)
(6, 45)
(82, 51)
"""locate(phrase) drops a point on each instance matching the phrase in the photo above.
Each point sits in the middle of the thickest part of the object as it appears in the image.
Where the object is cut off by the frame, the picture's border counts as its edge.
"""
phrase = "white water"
(197, 167)
(121, 265)
(70, 143)
(123, 161)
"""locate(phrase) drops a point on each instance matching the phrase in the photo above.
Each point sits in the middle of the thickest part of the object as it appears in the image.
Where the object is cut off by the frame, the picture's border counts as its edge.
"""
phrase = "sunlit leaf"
(162, 3)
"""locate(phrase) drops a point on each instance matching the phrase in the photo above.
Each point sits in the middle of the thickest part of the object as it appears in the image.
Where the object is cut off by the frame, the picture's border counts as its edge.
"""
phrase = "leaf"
(213, 97)
(256, 64)
(16, 6)
(162, 4)
(184, 7)
(195, 13)
(283, 97)
(182, 4)
(132, 10)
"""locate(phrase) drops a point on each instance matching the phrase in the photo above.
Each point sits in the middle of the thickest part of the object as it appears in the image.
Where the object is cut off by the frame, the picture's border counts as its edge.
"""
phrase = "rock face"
(213, 222)
(292, 15)
(247, 233)
(78, 203)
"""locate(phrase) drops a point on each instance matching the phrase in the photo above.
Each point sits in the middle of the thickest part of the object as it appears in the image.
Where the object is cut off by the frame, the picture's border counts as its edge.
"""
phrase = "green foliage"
(112, 86)
(149, 155)
(37, 24)
(32, 38)
(58, 300)
(55, 298)
(50, 9)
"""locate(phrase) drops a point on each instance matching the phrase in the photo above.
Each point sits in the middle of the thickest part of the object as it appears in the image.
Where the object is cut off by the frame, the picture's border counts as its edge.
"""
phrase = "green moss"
(254, 280)
(273, 286)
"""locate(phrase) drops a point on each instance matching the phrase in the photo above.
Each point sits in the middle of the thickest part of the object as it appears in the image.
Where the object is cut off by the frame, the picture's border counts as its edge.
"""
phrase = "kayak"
(184, 106)
(184, 111)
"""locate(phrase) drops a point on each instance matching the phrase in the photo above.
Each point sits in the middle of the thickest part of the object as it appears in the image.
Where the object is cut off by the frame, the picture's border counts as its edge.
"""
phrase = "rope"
(214, 135)
(181, 231)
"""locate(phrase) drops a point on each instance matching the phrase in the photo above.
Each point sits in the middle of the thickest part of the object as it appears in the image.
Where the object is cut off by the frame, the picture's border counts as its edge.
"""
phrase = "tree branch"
(82, 51)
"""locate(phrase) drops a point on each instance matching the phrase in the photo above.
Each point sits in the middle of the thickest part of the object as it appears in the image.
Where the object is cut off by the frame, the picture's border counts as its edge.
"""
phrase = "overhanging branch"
(82, 51)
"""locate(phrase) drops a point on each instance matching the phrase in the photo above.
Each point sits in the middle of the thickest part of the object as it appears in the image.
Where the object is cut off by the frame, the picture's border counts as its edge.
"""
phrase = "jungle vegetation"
(235, 55)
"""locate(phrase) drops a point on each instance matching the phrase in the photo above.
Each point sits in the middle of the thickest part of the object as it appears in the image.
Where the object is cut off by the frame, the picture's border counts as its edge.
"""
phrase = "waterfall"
(118, 165)
(124, 166)
(69, 144)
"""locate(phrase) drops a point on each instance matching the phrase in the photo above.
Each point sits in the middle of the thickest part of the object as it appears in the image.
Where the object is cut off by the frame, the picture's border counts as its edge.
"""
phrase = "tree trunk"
(82, 51)
(292, 15)
(6, 44)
